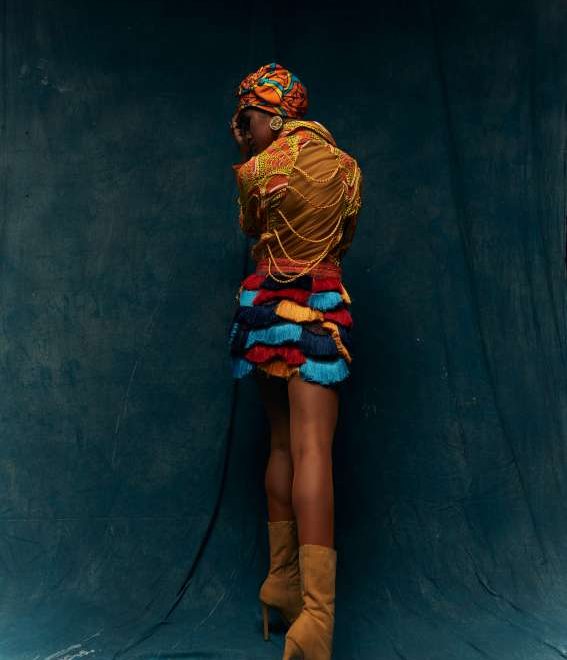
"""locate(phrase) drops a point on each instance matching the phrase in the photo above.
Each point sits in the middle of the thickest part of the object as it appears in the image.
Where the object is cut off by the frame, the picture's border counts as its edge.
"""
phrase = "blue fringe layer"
(257, 316)
(277, 334)
(247, 296)
(312, 343)
(238, 345)
(241, 367)
(234, 328)
(324, 373)
(324, 300)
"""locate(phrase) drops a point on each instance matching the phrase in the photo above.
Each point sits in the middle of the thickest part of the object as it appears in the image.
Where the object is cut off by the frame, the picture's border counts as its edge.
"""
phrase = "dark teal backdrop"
(132, 510)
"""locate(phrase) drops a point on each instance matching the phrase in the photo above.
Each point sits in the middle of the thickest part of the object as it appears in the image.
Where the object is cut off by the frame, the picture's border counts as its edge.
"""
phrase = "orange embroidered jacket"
(300, 196)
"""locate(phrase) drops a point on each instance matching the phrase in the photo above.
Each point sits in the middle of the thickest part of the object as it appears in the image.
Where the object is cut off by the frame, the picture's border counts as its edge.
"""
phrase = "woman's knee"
(279, 476)
(280, 450)
(280, 440)
(316, 448)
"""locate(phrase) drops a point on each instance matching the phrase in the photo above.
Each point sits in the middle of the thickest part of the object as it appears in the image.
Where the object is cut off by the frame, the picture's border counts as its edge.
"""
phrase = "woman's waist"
(329, 267)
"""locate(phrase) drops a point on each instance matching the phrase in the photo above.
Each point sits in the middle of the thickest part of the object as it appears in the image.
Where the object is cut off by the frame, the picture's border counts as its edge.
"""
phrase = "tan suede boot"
(282, 588)
(311, 635)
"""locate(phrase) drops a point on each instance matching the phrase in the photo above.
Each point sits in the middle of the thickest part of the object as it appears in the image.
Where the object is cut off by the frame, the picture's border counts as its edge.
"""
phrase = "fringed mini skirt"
(301, 327)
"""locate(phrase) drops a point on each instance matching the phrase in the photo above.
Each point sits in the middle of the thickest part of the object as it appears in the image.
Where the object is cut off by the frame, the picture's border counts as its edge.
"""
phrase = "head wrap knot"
(274, 89)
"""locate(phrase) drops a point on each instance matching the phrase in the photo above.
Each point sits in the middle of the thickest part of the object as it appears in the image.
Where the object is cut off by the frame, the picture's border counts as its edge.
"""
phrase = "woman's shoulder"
(319, 138)
(308, 129)
(299, 142)
(278, 158)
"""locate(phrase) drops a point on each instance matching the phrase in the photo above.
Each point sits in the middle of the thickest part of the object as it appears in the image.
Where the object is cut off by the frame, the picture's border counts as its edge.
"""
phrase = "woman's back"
(300, 196)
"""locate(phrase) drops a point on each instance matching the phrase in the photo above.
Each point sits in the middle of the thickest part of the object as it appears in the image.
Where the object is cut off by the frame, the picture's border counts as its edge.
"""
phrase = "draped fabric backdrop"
(133, 515)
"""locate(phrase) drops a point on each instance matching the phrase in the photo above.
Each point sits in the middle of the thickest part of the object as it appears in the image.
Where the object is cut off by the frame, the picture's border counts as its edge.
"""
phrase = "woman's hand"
(239, 137)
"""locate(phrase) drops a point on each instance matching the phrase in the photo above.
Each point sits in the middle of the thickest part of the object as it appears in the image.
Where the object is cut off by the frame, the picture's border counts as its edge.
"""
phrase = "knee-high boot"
(311, 635)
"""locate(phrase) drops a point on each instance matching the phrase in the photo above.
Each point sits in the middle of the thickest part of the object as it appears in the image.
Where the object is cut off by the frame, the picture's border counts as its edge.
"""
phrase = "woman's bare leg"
(313, 419)
(279, 471)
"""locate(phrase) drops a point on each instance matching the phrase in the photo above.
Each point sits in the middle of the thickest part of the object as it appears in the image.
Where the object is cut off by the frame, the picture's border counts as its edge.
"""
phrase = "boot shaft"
(311, 635)
(284, 552)
(317, 570)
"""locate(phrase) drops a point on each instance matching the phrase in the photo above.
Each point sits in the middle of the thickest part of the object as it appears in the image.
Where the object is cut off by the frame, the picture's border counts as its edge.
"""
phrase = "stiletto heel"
(266, 620)
(281, 590)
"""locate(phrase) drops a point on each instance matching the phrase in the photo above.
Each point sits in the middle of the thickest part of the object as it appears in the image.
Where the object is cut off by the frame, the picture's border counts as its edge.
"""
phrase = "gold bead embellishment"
(310, 240)
(318, 206)
(289, 279)
(312, 178)
(332, 238)
(311, 263)
(298, 261)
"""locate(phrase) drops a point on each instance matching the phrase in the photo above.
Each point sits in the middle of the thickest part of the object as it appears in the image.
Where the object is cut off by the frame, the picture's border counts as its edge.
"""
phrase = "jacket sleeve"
(248, 218)
(353, 205)
(248, 202)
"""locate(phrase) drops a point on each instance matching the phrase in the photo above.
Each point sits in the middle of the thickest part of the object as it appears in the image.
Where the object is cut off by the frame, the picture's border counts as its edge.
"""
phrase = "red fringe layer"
(341, 316)
(326, 284)
(297, 295)
(260, 353)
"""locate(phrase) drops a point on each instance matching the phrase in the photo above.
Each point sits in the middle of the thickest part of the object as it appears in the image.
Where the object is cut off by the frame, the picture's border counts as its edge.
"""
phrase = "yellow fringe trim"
(288, 309)
(240, 289)
(345, 296)
(278, 368)
(337, 338)
(292, 311)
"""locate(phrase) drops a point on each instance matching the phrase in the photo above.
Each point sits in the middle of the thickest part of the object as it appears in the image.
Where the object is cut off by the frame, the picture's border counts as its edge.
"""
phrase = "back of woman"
(299, 196)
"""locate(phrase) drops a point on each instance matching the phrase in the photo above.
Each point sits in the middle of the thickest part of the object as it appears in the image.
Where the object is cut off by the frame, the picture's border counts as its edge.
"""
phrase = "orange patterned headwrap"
(273, 89)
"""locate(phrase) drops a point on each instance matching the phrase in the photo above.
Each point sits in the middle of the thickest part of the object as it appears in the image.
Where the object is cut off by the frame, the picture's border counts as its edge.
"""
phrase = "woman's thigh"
(274, 396)
(313, 416)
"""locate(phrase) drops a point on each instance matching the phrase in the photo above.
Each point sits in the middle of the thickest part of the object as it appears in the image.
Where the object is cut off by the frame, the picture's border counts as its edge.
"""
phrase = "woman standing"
(299, 195)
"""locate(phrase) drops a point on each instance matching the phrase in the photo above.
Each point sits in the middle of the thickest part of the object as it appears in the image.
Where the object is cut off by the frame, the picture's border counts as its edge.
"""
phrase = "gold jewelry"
(276, 122)
(311, 178)
(318, 206)
(278, 160)
(290, 279)
(312, 240)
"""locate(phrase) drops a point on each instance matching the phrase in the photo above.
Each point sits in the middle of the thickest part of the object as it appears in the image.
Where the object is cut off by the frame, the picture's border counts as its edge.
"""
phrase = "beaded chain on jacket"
(300, 197)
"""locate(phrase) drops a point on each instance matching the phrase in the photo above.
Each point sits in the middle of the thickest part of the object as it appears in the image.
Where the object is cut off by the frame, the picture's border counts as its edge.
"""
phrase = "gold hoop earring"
(276, 122)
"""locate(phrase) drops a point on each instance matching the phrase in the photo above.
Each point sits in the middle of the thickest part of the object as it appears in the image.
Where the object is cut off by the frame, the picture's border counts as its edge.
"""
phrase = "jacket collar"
(292, 125)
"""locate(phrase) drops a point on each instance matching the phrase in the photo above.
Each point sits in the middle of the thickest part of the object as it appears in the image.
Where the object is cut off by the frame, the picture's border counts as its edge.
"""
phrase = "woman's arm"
(248, 217)
(247, 207)
(238, 136)
(354, 204)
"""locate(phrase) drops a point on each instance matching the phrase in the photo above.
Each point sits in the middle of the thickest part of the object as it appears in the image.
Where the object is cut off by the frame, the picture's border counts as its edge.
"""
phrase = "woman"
(299, 195)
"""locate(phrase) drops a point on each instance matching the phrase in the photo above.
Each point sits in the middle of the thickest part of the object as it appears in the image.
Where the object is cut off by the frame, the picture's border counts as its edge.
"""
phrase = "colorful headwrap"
(273, 89)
